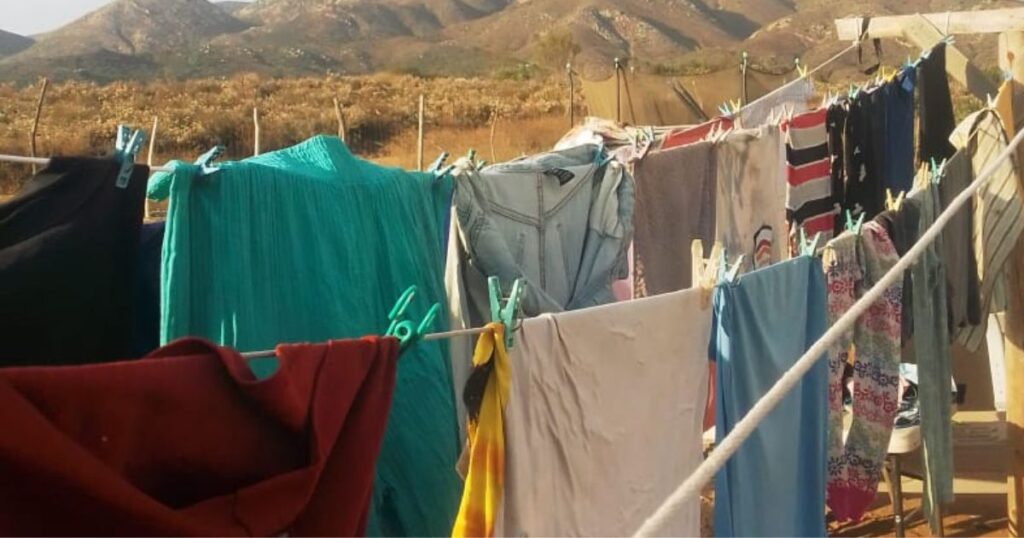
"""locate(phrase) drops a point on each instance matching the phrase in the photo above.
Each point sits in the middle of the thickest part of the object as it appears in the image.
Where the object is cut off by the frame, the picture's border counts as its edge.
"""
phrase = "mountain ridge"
(196, 38)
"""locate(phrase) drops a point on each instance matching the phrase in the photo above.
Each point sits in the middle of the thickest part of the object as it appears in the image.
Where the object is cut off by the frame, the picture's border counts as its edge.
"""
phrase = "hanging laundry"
(691, 135)
(764, 322)
(311, 243)
(69, 244)
(903, 228)
(935, 115)
(625, 144)
(751, 199)
(188, 443)
(998, 217)
(675, 204)
(794, 97)
(604, 418)
(963, 284)
(563, 221)
(934, 359)
(836, 127)
(809, 200)
(854, 264)
(485, 476)
(865, 154)
(147, 292)
(899, 131)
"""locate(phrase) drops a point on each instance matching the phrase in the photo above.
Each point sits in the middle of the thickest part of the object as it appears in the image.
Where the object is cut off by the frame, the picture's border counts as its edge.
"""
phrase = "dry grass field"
(380, 113)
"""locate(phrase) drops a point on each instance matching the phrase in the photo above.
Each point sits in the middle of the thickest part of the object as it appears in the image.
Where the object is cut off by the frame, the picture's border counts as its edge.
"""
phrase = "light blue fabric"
(775, 484)
(309, 244)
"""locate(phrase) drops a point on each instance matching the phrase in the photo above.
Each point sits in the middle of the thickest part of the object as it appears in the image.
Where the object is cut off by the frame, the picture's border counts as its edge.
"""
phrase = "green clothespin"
(407, 332)
(205, 161)
(439, 162)
(505, 310)
(808, 248)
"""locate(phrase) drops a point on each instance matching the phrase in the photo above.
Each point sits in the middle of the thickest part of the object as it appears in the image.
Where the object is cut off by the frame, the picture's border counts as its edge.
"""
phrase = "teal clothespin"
(505, 310)
(808, 248)
(407, 332)
(439, 162)
(852, 225)
(126, 147)
(205, 161)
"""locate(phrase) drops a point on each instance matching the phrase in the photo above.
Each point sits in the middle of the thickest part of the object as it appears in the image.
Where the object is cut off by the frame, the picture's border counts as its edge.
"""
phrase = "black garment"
(865, 152)
(903, 227)
(835, 123)
(962, 281)
(68, 255)
(899, 145)
(935, 117)
(147, 292)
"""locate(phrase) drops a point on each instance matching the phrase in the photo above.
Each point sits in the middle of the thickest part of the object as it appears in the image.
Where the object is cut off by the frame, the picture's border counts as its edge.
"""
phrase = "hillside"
(13, 43)
(193, 38)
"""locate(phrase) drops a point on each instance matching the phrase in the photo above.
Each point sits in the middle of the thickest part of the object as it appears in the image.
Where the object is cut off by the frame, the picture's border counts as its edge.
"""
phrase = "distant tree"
(555, 48)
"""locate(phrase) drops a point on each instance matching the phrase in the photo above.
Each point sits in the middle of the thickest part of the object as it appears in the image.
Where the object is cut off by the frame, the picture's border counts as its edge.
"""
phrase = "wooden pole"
(1011, 58)
(149, 160)
(35, 123)
(494, 126)
(256, 130)
(572, 96)
(618, 91)
(341, 120)
(744, 63)
(419, 138)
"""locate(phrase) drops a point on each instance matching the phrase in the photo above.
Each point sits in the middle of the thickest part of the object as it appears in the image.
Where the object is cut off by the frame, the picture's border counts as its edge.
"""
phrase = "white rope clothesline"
(43, 161)
(426, 338)
(691, 487)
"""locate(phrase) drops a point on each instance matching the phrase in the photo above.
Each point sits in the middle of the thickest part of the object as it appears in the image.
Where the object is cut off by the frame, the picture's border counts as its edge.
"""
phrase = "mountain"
(188, 38)
(13, 43)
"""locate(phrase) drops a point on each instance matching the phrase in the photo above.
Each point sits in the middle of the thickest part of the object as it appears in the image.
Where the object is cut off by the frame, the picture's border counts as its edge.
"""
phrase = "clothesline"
(43, 161)
(691, 487)
(427, 338)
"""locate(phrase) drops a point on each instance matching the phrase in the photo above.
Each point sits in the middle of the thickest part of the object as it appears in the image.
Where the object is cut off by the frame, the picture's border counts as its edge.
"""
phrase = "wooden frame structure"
(925, 31)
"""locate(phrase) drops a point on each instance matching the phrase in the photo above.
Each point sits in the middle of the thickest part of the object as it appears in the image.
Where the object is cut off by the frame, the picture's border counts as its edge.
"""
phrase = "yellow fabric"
(485, 480)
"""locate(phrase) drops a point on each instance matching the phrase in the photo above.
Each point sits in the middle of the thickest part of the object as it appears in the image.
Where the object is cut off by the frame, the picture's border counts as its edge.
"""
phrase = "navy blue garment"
(865, 154)
(775, 484)
(146, 335)
(899, 132)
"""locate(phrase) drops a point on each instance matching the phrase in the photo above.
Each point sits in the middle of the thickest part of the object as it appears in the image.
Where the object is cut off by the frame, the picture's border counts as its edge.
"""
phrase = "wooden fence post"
(35, 123)
(618, 91)
(419, 138)
(149, 160)
(572, 95)
(256, 130)
(341, 120)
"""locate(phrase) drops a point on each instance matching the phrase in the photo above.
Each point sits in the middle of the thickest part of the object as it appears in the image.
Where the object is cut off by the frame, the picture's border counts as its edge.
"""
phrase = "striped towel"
(809, 198)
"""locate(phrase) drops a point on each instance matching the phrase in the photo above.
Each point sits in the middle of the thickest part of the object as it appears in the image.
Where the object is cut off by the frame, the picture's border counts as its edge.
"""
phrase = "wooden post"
(572, 96)
(618, 91)
(1011, 58)
(419, 138)
(494, 126)
(341, 120)
(35, 123)
(744, 63)
(256, 130)
(149, 160)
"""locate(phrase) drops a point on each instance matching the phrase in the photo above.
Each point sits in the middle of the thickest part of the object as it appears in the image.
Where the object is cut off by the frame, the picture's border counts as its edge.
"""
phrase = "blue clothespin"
(437, 164)
(734, 272)
(808, 248)
(205, 161)
(126, 147)
(505, 310)
(407, 332)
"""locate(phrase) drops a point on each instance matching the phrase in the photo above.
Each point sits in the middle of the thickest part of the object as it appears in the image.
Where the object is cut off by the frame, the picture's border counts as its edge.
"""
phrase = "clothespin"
(854, 226)
(938, 170)
(439, 162)
(734, 271)
(504, 310)
(854, 91)
(405, 330)
(705, 271)
(990, 101)
(126, 147)
(800, 69)
(808, 248)
(205, 161)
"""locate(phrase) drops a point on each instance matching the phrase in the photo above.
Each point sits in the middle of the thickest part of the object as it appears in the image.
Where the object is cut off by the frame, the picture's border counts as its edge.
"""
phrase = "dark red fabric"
(187, 442)
(692, 135)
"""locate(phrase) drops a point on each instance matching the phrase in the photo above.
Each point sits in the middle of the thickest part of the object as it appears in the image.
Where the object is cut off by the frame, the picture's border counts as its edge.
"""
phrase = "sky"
(27, 17)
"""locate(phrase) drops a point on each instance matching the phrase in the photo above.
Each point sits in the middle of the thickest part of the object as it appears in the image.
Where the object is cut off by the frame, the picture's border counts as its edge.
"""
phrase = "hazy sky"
(29, 17)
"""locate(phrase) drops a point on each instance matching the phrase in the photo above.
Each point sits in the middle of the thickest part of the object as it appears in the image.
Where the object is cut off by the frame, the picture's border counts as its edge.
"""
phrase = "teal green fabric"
(310, 244)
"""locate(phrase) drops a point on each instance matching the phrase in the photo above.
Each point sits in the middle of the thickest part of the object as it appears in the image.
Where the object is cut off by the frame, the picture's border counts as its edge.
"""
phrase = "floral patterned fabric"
(853, 265)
